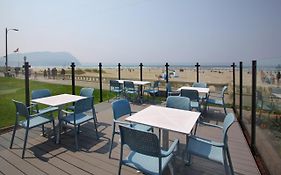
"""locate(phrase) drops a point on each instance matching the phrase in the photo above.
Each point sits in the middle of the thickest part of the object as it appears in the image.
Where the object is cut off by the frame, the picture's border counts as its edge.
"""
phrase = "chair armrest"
(67, 112)
(122, 122)
(210, 142)
(32, 105)
(172, 148)
(210, 125)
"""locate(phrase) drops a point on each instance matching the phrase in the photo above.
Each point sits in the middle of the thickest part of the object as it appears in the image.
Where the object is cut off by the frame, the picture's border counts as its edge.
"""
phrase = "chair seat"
(146, 164)
(48, 109)
(35, 121)
(116, 90)
(151, 91)
(80, 118)
(215, 101)
(194, 104)
(131, 91)
(202, 148)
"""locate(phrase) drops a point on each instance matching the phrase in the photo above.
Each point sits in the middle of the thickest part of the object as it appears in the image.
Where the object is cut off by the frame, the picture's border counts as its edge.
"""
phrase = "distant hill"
(43, 58)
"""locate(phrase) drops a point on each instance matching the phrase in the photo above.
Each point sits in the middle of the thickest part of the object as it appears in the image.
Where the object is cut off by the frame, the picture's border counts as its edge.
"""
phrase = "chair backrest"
(223, 91)
(140, 141)
(193, 95)
(21, 109)
(156, 84)
(178, 102)
(86, 92)
(114, 84)
(129, 85)
(83, 105)
(40, 93)
(228, 121)
(120, 108)
(199, 84)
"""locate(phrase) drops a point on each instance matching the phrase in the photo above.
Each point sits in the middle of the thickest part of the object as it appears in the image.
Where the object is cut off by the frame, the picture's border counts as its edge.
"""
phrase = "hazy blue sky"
(148, 31)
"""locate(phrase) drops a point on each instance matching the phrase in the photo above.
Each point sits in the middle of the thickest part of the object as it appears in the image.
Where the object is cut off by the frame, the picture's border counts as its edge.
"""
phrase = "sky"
(147, 31)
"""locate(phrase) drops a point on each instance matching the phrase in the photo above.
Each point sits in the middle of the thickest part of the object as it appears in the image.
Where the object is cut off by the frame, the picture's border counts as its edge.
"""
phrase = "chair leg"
(76, 140)
(229, 162)
(54, 130)
(13, 136)
(120, 166)
(24, 144)
(111, 142)
(96, 128)
(78, 129)
(43, 130)
(171, 168)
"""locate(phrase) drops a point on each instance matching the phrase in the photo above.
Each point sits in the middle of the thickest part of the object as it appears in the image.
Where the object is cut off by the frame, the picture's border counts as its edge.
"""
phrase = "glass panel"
(268, 126)
(216, 78)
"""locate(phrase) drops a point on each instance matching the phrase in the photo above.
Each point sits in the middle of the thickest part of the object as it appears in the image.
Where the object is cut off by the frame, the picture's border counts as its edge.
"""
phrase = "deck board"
(43, 156)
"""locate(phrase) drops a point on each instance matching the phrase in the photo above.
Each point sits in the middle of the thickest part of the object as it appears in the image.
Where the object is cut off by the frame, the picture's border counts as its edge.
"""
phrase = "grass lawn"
(11, 88)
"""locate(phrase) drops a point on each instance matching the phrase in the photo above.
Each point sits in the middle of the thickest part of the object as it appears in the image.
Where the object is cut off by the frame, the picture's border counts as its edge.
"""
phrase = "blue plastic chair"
(29, 122)
(217, 100)
(212, 150)
(178, 102)
(114, 86)
(129, 89)
(263, 104)
(169, 90)
(201, 85)
(153, 90)
(145, 153)
(182, 103)
(85, 92)
(122, 108)
(80, 116)
(41, 93)
(193, 95)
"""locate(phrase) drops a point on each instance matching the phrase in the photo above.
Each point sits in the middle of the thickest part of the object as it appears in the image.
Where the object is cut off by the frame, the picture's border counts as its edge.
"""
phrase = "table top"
(277, 95)
(171, 119)
(199, 89)
(135, 82)
(58, 100)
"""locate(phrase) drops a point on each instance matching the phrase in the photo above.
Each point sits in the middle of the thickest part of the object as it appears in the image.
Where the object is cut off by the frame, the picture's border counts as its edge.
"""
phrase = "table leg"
(165, 139)
(58, 126)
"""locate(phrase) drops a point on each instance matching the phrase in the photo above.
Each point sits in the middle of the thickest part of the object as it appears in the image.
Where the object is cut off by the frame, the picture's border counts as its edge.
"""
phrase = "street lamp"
(6, 63)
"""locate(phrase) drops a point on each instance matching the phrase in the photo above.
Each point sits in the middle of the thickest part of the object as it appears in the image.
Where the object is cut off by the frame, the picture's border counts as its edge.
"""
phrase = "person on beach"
(278, 76)
(62, 73)
(45, 73)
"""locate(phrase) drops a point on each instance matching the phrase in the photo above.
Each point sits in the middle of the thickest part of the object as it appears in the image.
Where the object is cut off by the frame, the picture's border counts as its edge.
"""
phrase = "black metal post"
(167, 72)
(254, 106)
(233, 82)
(119, 71)
(141, 65)
(167, 76)
(197, 70)
(27, 95)
(6, 63)
(241, 92)
(73, 77)
(100, 72)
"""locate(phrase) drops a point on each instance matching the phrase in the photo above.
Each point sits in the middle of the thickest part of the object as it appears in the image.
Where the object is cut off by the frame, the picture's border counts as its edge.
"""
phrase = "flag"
(17, 50)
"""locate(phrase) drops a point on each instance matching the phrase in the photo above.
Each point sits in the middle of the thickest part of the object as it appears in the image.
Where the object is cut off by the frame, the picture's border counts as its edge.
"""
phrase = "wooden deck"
(43, 156)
